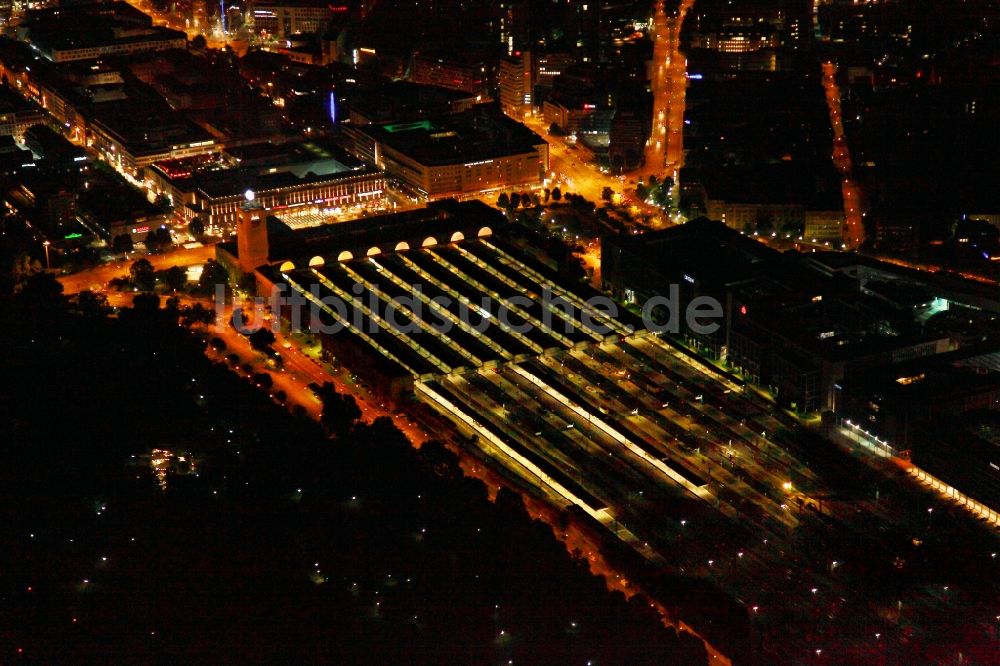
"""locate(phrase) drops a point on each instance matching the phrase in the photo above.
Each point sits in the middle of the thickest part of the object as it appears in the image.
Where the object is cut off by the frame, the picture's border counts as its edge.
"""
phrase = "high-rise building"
(514, 24)
(583, 22)
(549, 66)
(517, 81)
(251, 235)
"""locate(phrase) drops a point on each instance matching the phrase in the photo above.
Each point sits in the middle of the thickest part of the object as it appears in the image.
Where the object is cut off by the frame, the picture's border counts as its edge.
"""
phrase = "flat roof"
(232, 182)
(318, 157)
(812, 185)
(929, 375)
(91, 26)
(480, 133)
(701, 248)
(398, 101)
(146, 124)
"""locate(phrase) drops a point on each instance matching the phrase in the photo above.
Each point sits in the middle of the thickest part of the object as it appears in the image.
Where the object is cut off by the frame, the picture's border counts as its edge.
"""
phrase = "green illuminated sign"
(406, 127)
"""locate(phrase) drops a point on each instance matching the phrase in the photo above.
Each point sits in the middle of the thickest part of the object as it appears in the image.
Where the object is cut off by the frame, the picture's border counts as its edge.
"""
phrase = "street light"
(46, 244)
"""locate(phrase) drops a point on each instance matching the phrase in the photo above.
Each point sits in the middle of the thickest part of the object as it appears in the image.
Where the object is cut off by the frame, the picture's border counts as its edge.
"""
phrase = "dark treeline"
(286, 547)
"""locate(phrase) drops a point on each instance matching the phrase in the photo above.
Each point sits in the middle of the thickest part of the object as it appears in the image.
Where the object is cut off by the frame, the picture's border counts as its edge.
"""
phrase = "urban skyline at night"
(500, 332)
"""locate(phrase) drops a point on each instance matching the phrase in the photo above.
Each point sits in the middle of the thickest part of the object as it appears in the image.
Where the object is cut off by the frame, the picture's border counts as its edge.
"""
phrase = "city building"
(309, 49)
(49, 205)
(462, 154)
(738, 39)
(453, 70)
(823, 225)
(134, 136)
(517, 83)
(901, 403)
(794, 324)
(514, 18)
(67, 91)
(784, 198)
(182, 79)
(53, 148)
(864, 24)
(551, 66)
(578, 114)
(88, 32)
(283, 19)
(404, 101)
(276, 246)
(751, 26)
(582, 22)
(283, 176)
(17, 114)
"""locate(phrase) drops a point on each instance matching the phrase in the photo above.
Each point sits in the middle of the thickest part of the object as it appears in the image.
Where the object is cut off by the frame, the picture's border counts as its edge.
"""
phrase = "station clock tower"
(251, 235)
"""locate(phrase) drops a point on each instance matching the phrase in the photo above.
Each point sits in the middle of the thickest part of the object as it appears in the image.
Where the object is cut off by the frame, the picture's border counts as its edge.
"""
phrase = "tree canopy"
(196, 227)
(142, 274)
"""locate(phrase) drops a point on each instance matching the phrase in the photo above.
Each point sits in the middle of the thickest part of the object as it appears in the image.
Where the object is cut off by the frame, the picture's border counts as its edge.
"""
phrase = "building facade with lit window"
(462, 154)
(282, 176)
(91, 31)
(578, 116)
(794, 324)
(552, 65)
(218, 200)
(824, 225)
(517, 82)
(17, 114)
(803, 199)
(284, 18)
(739, 39)
(158, 41)
(898, 404)
(470, 75)
(132, 145)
